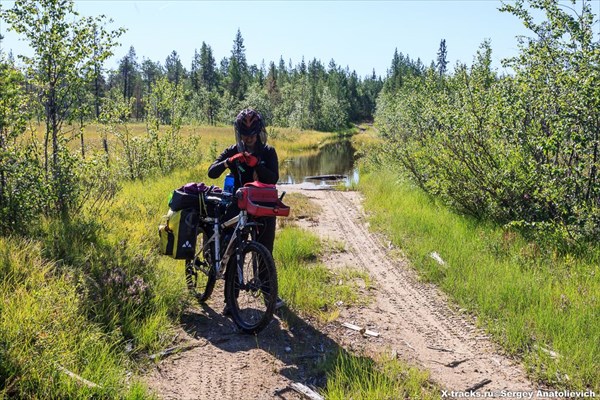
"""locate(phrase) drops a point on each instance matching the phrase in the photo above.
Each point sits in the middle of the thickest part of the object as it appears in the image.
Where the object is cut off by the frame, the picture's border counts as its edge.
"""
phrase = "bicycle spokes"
(252, 290)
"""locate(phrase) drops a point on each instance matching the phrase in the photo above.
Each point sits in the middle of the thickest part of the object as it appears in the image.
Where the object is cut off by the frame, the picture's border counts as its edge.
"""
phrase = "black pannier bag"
(179, 229)
(181, 200)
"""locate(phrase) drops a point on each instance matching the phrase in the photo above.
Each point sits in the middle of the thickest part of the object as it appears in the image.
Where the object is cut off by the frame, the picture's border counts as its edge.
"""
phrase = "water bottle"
(228, 184)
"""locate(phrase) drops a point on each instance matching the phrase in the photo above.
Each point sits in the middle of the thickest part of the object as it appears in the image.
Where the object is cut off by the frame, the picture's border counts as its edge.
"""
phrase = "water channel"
(332, 164)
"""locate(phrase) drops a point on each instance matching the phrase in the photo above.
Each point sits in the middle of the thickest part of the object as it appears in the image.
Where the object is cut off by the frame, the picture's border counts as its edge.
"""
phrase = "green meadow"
(541, 305)
(93, 297)
(86, 300)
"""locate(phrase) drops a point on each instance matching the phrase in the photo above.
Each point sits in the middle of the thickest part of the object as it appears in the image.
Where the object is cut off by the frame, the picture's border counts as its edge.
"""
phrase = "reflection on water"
(332, 159)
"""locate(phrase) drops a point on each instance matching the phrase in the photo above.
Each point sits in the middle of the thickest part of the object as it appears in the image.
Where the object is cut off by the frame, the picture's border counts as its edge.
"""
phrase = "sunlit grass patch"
(384, 377)
(534, 301)
(309, 286)
(301, 207)
(287, 141)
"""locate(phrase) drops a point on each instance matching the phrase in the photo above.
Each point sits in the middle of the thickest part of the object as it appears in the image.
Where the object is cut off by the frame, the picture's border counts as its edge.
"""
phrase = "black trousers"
(266, 232)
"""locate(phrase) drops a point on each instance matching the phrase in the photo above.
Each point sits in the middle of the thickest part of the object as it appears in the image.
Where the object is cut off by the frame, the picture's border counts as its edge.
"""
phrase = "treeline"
(307, 95)
(65, 84)
(520, 149)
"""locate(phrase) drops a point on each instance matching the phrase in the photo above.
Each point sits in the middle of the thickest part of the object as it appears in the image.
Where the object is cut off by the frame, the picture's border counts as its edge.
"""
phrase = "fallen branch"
(456, 363)
(175, 349)
(440, 349)
(478, 385)
(306, 391)
(78, 378)
(359, 329)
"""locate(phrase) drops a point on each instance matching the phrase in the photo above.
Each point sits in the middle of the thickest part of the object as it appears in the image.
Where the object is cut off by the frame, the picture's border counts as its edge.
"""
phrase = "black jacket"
(267, 168)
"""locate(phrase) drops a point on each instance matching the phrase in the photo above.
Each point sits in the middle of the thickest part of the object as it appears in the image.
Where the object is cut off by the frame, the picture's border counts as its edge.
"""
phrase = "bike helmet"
(247, 123)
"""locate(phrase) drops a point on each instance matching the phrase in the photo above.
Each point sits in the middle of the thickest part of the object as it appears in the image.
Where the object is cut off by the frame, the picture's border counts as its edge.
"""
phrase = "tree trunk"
(97, 92)
(2, 175)
(81, 137)
(57, 175)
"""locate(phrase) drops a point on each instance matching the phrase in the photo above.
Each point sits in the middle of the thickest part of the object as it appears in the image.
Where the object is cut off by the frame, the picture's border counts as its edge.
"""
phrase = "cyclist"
(250, 159)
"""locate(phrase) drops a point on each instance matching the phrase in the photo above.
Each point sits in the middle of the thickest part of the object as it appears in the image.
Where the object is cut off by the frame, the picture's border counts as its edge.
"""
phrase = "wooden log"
(306, 391)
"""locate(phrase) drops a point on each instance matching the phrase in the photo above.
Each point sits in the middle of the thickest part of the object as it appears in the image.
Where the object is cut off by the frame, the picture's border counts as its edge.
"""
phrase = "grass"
(310, 288)
(532, 300)
(43, 331)
(307, 285)
(92, 296)
(356, 377)
(287, 141)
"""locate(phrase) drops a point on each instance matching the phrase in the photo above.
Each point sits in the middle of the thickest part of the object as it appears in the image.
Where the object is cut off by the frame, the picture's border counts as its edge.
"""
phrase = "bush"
(521, 150)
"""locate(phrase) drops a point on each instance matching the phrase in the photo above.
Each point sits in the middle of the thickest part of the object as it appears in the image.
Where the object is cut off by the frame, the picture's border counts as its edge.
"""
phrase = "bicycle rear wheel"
(200, 273)
(251, 287)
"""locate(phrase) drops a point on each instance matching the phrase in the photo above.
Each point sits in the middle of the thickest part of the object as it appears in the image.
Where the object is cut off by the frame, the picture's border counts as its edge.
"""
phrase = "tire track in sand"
(413, 318)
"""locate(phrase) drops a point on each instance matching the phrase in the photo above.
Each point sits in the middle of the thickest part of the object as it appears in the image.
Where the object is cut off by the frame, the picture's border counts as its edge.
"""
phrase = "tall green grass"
(533, 300)
(307, 285)
(356, 377)
(89, 294)
(44, 332)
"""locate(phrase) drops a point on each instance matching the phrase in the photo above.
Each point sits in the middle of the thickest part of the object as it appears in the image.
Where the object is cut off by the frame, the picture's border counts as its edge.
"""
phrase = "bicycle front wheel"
(251, 287)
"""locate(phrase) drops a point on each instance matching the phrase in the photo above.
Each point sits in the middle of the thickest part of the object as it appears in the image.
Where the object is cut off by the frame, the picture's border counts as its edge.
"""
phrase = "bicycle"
(229, 250)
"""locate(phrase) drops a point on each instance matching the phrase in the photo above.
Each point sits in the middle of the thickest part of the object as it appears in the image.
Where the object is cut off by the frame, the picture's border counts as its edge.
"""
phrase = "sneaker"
(279, 303)
(226, 310)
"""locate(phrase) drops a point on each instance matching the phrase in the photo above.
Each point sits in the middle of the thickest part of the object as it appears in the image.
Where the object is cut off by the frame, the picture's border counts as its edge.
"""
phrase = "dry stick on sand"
(478, 385)
(78, 378)
(440, 349)
(306, 391)
(359, 329)
(456, 363)
(175, 349)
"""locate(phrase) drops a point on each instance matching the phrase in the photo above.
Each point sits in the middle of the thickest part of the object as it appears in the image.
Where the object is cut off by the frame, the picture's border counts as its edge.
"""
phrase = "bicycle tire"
(252, 299)
(200, 273)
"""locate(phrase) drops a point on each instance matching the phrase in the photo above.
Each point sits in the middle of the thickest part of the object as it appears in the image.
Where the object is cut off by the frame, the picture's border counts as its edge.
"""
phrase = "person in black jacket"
(251, 159)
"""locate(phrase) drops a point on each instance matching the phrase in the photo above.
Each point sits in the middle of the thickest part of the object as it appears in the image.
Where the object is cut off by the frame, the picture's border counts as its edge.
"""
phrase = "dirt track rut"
(414, 320)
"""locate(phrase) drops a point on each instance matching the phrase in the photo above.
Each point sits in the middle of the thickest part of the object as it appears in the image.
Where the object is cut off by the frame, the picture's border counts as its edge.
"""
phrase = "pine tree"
(237, 71)
(151, 71)
(272, 85)
(195, 71)
(442, 61)
(208, 68)
(174, 68)
(128, 71)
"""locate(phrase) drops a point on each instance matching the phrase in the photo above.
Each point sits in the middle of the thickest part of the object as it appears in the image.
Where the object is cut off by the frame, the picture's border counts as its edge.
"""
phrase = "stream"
(332, 164)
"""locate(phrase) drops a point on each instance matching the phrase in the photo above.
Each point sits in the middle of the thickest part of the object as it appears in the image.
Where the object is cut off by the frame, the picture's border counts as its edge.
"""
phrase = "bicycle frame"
(241, 223)
(250, 277)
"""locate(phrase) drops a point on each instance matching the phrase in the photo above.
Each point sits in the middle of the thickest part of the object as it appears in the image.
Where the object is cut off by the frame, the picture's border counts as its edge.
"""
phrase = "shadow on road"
(307, 353)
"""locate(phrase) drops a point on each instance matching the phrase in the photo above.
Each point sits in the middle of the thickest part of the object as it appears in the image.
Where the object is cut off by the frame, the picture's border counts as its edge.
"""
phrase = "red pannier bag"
(261, 200)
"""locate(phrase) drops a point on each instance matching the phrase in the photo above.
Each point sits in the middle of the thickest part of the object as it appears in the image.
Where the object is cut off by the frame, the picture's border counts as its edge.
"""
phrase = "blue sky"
(359, 34)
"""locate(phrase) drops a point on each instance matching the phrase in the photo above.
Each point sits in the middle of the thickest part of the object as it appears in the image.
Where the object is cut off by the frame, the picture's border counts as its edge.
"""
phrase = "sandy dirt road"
(414, 320)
